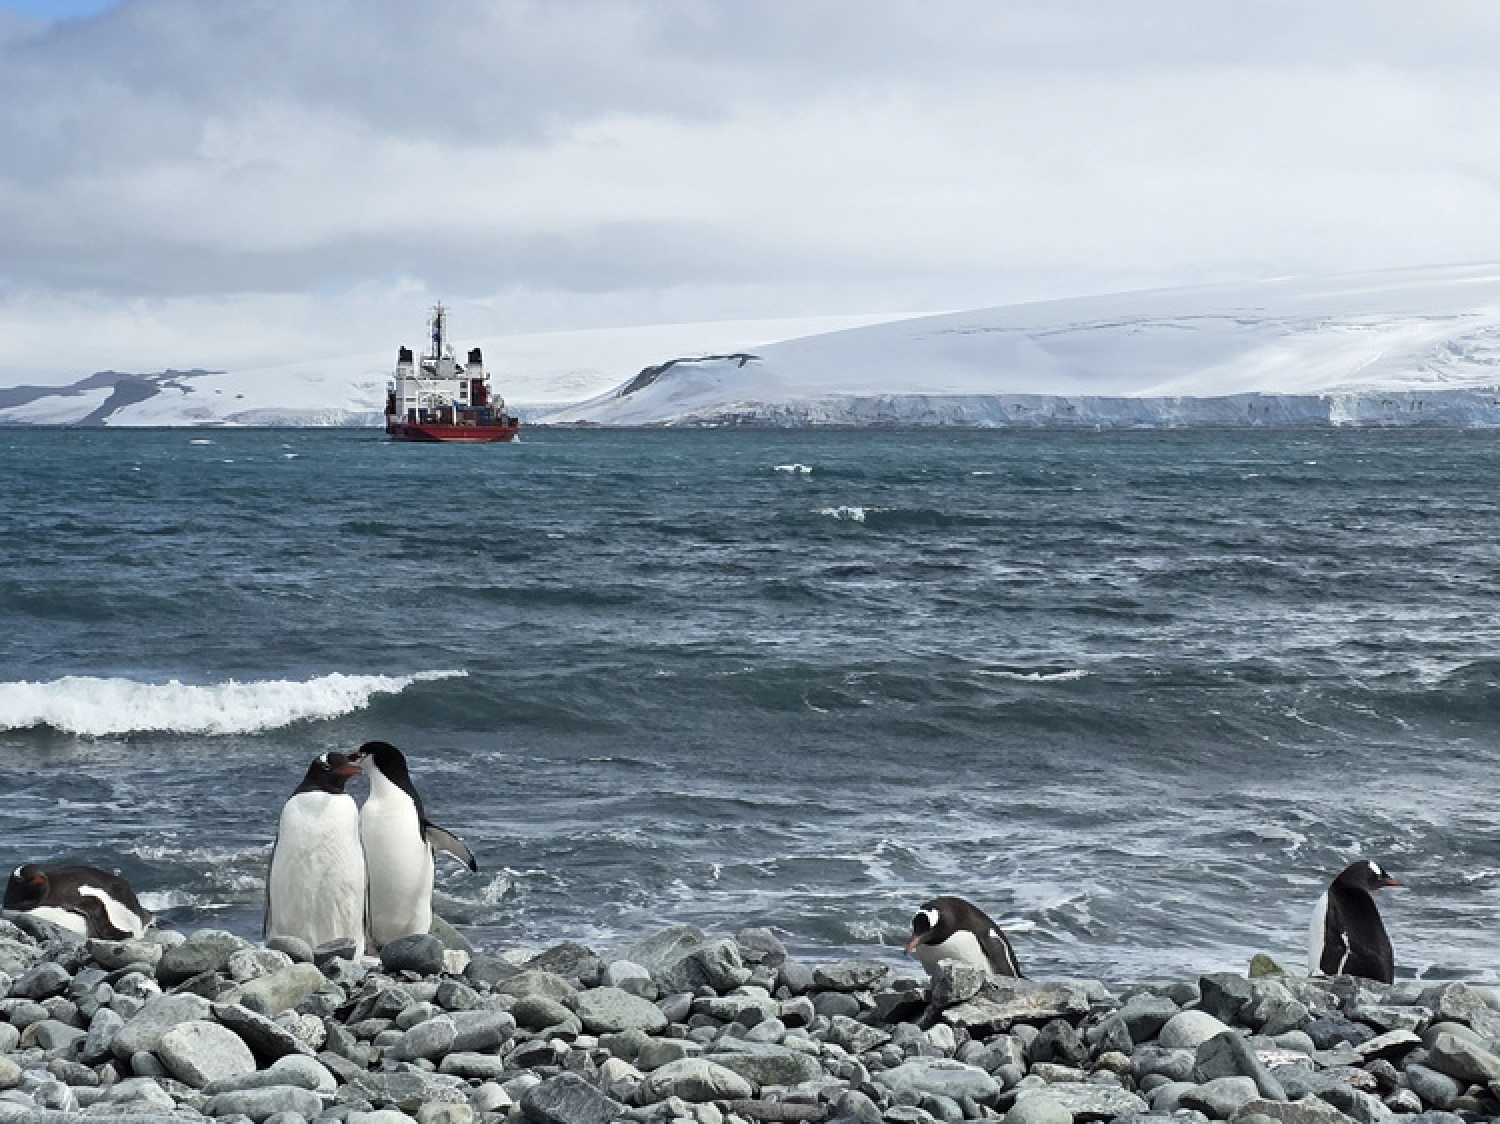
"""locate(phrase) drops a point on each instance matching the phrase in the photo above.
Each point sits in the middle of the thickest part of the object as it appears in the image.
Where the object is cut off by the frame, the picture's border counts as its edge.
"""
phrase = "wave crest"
(97, 707)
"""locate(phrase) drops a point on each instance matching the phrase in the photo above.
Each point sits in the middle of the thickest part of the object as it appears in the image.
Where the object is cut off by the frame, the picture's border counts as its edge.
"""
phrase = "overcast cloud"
(225, 183)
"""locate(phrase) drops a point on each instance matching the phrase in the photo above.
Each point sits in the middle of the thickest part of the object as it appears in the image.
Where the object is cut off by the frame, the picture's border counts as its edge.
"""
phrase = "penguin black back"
(392, 762)
(85, 891)
(1353, 938)
(950, 927)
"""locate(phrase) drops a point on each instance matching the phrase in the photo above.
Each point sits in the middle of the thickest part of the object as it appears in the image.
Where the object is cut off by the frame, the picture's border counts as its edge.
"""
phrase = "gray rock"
(1457, 1002)
(1225, 996)
(572, 961)
(258, 1104)
(1463, 1060)
(692, 1079)
(157, 1016)
(296, 948)
(269, 1040)
(716, 965)
(956, 982)
(1229, 1055)
(657, 1052)
(941, 1076)
(293, 1069)
(469, 1065)
(51, 1035)
(851, 975)
(200, 1051)
(1309, 1110)
(666, 947)
(764, 1064)
(856, 1037)
(1058, 1042)
(280, 990)
(205, 951)
(1089, 1101)
(1219, 1098)
(1391, 1045)
(609, 1010)
(1144, 1015)
(1038, 1109)
(482, 1029)
(536, 1012)
(407, 1091)
(429, 1039)
(1436, 1089)
(42, 981)
(760, 946)
(1187, 1030)
(421, 953)
(569, 1099)
(546, 985)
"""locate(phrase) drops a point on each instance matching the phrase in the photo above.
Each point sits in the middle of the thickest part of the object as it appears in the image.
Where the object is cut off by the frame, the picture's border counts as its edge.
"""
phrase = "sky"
(238, 183)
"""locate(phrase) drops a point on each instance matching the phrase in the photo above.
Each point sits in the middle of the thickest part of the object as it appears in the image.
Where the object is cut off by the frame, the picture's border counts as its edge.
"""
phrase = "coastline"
(718, 1030)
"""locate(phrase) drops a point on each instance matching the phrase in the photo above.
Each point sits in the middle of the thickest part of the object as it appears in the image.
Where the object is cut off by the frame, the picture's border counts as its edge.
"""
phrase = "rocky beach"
(711, 1029)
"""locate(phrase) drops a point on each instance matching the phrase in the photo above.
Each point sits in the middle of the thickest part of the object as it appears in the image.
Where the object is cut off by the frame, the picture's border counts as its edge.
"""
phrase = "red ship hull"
(461, 434)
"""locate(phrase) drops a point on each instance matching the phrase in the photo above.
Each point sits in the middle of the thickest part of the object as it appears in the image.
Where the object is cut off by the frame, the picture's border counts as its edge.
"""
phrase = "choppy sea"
(1138, 694)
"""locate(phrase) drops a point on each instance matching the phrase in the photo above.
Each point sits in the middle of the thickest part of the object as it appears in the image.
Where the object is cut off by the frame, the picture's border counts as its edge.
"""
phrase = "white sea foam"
(1036, 676)
(845, 514)
(97, 707)
(795, 469)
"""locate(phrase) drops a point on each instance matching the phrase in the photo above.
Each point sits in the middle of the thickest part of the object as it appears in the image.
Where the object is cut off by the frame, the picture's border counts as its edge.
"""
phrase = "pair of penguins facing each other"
(344, 873)
(1346, 938)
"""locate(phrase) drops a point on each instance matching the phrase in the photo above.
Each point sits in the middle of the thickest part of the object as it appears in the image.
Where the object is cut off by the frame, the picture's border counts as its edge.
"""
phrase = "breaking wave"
(96, 707)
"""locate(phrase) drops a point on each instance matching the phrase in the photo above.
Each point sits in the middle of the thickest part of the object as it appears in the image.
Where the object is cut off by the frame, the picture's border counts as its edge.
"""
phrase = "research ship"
(437, 398)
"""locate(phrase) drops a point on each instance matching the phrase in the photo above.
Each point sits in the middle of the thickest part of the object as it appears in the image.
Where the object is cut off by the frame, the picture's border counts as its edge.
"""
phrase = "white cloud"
(244, 181)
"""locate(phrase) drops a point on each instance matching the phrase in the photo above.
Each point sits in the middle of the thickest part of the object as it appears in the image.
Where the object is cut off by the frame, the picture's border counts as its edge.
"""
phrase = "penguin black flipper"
(441, 839)
(1002, 957)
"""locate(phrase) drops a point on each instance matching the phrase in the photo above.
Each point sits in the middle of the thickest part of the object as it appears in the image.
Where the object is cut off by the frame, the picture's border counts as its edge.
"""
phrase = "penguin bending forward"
(83, 899)
(315, 888)
(400, 843)
(948, 928)
(1346, 937)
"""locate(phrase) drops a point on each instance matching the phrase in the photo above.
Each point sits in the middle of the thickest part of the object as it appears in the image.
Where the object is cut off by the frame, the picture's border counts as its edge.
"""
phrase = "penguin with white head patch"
(315, 887)
(1347, 937)
(83, 899)
(948, 928)
(400, 845)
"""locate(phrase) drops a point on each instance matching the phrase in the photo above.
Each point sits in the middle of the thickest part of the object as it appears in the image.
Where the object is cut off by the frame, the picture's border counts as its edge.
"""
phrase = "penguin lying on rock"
(400, 843)
(83, 899)
(315, 888)
(1347, 937)
(948, 928)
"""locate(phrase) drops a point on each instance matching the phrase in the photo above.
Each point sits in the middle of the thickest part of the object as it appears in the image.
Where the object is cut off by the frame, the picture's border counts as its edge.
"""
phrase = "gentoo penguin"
(400, 844)
(84, 899)
(315, 887)
(1346, 937)
(948, 928)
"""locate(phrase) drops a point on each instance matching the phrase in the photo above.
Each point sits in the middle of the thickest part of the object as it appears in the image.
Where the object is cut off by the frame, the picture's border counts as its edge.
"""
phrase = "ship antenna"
(439, 315)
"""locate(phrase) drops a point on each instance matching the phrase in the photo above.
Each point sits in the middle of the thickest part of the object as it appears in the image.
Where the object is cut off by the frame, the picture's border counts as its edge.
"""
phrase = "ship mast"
(439, 324)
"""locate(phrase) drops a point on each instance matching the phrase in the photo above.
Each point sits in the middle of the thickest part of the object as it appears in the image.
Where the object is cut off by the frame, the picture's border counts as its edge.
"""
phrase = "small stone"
(851, 975)
(1189, 1029)
(609, 1010)
(42, 981)
(199, 1051)
(296, 948)
(692, 1079)
(421, 953)
(157, 1016)
(205, 951)
(251, 963)
(569, 1099)
(261, 1103)
(280, 990)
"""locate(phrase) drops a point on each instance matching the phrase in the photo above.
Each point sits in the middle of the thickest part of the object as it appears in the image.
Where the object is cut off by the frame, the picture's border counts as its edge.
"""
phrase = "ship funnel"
(475, 357)
(404, 355)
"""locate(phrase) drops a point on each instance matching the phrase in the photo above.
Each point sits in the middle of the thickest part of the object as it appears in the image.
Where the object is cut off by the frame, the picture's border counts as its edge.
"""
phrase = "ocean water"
(1139, 695)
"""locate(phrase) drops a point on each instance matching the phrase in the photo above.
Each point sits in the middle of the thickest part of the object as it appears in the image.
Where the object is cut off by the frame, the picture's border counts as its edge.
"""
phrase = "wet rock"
(610, 1010)
(1229, 1055)
(421, 953)
(205, 951)
(692, 1079)
(1187, 1030)
(569, 1099)
(1463, 1060)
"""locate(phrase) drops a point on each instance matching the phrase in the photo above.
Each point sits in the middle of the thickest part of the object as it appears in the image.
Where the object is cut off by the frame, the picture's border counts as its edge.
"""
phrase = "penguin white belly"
(75, 922)
(1316, 936)
(962, 945)
(400, 867)
(317, 880)
(121, 917)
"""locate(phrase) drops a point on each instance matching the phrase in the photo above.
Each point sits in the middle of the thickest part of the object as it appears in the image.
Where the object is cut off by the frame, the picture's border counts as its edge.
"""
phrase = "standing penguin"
(949, 928)
(315, 888)
(1346, 937)
(84, 899)
(400, 844)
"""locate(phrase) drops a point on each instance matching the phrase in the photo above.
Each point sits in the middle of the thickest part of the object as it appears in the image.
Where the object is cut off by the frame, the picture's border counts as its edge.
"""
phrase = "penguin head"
(925, 924)
(384, 758)
(27, 887)
(329, 772)
(1365, 875)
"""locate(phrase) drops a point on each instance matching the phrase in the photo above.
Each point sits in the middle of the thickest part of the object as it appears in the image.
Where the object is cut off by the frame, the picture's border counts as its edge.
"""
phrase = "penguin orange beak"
(1389, 881)
(911, 944)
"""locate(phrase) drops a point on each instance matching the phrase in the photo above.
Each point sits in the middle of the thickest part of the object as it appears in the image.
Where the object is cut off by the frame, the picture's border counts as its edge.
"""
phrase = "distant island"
(1402, 348)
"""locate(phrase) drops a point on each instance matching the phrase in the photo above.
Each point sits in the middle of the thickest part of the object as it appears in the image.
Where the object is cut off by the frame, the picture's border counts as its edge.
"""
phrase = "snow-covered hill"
(1401, 348)
(1414, 347)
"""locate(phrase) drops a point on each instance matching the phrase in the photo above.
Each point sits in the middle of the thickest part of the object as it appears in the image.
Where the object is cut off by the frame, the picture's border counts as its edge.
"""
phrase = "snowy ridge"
(1411, 347)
